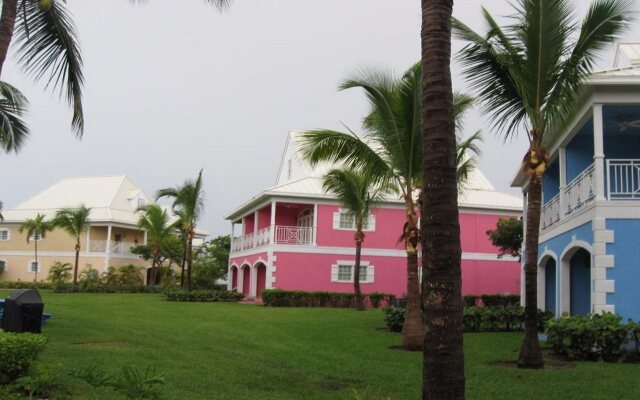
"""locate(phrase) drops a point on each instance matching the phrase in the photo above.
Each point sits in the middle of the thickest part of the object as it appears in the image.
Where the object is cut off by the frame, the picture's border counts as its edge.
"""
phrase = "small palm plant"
(75, 221)
(59, 273)
(37, 229)
(356, 193)
(527, 75)
(155, 221)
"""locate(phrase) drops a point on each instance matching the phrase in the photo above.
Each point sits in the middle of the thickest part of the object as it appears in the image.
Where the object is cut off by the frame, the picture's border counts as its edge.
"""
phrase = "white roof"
(112, 199)
(306, 182)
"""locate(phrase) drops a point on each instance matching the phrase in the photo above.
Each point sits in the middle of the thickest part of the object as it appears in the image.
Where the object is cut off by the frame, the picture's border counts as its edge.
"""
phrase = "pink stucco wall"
(287, 213)
(248, 224)
(312, 272)
(249, 260)
(264, 217)
(473, 228)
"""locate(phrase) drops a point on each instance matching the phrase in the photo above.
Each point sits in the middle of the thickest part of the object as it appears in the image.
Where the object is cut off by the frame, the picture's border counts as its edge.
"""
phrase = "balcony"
(100, 246)
(622, 183)
(286, 235)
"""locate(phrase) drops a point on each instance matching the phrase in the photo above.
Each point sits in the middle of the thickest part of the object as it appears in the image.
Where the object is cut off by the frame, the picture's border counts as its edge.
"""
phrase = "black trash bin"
(23, 311)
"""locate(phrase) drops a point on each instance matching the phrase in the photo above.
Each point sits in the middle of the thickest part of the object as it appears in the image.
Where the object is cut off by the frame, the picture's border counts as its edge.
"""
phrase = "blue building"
(589, 259)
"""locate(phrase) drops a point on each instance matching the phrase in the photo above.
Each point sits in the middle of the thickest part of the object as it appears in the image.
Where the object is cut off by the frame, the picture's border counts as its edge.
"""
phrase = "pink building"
(293, 236)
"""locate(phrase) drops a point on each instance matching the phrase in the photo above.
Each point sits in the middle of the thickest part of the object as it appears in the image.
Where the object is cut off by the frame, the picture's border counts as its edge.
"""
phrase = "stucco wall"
(626, 272)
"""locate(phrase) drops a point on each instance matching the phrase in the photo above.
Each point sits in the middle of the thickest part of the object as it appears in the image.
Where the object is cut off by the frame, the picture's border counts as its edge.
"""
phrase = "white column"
(240, 279)
(598, 151)
(314, 231)
(272, 224)
(562, 165)
(254, 282)
(255, 228)
(230, 274)
(108, 249)
(88, 246)
(145, 237)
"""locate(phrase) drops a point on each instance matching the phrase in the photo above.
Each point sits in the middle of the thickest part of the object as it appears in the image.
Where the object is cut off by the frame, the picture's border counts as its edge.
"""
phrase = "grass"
(232, 351)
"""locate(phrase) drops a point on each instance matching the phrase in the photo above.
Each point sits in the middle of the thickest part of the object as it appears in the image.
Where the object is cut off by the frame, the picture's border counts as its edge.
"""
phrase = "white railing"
(100, 246)
(581, 191)
(263, 236)
(242, 242)
(293, 235)
(550, 213)
(623, 177)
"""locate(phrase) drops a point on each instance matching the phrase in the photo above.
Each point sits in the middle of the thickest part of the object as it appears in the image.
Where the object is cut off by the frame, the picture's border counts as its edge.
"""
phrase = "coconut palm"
(37, 229)
(155, 221)
(1, 216)
(356, 193)
(13, 130)
(443, 358)
(46, 44)
(188, 201)
(391, 152)
(75, 221)
(527, 75)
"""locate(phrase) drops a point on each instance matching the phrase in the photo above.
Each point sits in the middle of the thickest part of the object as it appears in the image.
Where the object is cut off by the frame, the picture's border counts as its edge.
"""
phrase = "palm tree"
(46, 45)
(75, 221)
(443, 358)
(356, 193)
(392, 154)
(1, 216)
(527, 75)
(36, 228)
(13, 106)
(155, 221)
(188, 201)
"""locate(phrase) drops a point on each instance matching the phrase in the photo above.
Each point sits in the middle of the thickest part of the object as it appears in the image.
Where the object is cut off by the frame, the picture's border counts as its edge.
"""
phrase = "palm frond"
(13, 106)
(48, 48)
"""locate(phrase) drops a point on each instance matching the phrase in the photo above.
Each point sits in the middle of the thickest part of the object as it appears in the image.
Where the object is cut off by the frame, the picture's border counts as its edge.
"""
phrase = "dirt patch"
(111, 344)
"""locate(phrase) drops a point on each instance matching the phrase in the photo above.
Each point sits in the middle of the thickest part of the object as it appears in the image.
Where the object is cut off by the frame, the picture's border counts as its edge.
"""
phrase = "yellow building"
(113, 228)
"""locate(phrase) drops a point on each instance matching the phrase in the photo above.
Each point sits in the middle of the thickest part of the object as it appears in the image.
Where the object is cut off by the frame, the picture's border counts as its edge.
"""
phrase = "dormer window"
(141, 203)
(289, 168)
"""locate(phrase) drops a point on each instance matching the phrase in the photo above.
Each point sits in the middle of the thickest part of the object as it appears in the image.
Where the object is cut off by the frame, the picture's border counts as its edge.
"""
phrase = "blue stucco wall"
(551, 182)
(617, 143)
(580, 151)
(626, 272)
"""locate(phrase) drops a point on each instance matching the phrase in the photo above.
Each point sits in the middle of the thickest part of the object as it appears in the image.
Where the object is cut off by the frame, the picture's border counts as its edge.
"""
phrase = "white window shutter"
(370, 273)
(336, 220)
(334, 273)
(372, 223)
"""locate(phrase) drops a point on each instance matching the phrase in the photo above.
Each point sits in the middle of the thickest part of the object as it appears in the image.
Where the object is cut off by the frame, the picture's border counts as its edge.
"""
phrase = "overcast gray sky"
(175, 86)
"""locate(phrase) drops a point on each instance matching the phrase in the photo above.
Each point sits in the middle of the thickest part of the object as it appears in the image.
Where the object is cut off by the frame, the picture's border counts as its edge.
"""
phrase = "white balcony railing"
(100, 246)
(550, 213)
(580, 191)
(293, 235)
(623, 177)
(290, 235)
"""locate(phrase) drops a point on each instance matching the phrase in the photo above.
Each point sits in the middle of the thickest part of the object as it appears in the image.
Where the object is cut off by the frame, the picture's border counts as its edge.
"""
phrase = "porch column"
(598, 152)
(88, 245)
(272, 224)
(562, 164)
(314, 232)
(253, 288)
(243, 234)
(107, 248)
(255, 228)
(230, 274)
(145, 237)
(240, 283)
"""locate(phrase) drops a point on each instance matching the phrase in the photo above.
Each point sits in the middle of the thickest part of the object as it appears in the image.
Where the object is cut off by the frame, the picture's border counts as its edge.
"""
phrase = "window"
(344, 220)
(33, 266)
(4, 235)
(343, 272)
(141, 203)
(37, 238)
(289, 168)
(3, 265)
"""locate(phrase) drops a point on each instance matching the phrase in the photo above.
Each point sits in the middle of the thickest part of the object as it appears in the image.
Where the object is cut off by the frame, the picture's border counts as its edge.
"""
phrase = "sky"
(176, 86)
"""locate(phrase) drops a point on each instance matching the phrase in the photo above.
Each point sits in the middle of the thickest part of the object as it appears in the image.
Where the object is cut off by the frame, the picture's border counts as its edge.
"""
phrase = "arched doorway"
(550, 285)
(246, 280)
(580, 282)
(234, 278)
(261, 281)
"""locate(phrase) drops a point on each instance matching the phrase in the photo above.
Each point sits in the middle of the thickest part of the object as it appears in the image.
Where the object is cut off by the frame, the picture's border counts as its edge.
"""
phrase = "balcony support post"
(562, 164)
(314, 228)
(598, 152)
(88, 246)
(272, 224)
(107, 247)
(255, 228)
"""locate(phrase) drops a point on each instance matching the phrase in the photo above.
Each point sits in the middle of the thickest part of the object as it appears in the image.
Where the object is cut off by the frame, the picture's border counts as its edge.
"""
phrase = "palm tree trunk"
(7, 25)
(35, 242)
(356, 273)
(443, 358)
(184, 261)
(189, 259)
(75, 267)
(530, 354)
(413, 328)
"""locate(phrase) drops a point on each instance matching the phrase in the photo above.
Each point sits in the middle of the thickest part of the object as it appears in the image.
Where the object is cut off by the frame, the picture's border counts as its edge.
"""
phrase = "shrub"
(104, 288)
(299, 298)
(611, 335)
(499, 300)
(17, 352)
(469, 300)
(394, 318)
(130, 382)
(634, 332)
(201, 295)
(59, 273)
(25, 285)
(472, 319)
(376, 298)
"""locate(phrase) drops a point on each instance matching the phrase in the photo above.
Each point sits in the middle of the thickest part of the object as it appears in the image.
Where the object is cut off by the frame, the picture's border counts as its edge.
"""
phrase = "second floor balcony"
(114, 247)
(286, 235)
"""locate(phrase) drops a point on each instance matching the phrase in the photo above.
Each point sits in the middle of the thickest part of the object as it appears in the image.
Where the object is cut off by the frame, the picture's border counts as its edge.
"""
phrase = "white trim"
(542, 277)
(92, 254)
(338, 219)
(8, 234)
(335, 271)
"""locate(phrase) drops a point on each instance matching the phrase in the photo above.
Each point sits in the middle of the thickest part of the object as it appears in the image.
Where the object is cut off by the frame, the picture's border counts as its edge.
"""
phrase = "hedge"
(491, 300)
(202, 295)
(25, 285)
(17, 352)
(299, 298)
(102, 288)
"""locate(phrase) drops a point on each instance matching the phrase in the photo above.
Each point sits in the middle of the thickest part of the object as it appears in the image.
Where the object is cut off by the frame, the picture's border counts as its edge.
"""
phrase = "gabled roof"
(306, 183)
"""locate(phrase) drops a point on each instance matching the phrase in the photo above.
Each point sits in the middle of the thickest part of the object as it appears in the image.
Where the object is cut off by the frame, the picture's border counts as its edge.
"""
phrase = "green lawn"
(232, 351)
